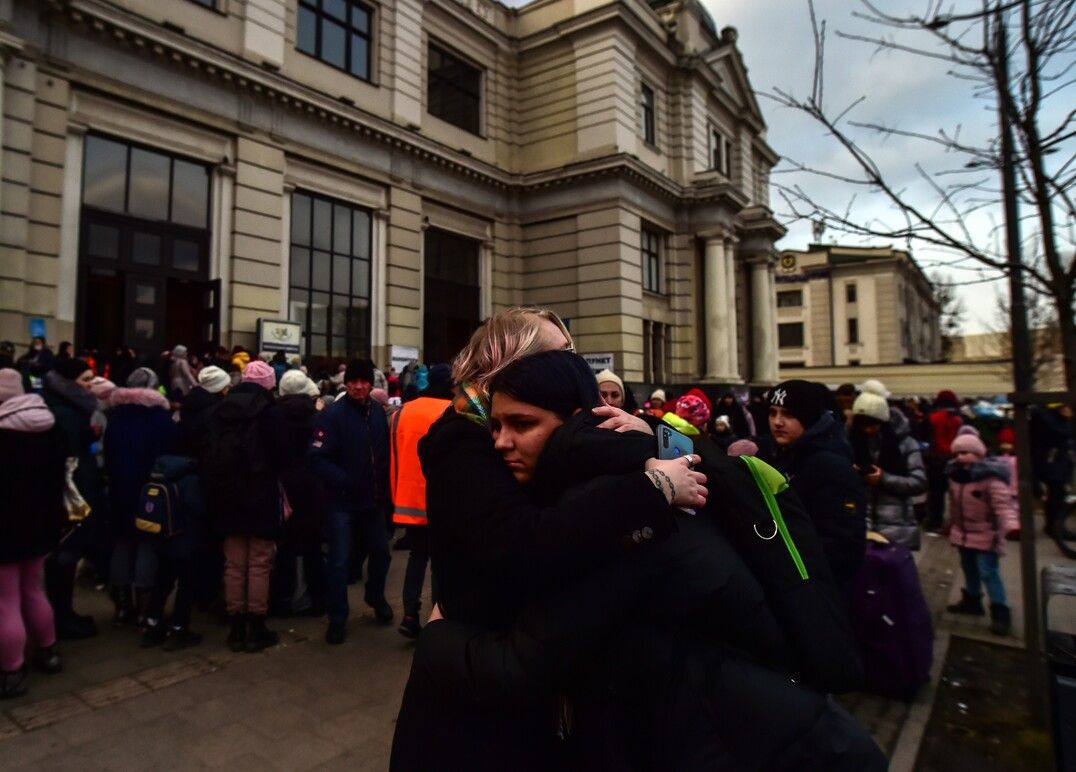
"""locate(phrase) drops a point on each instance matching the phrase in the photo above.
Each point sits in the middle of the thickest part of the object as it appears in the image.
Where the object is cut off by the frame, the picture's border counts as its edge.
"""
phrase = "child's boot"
(1000, 619)
(969, 604)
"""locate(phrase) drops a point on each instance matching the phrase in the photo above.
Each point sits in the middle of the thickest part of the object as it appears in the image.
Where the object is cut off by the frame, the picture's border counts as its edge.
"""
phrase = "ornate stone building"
(387, 173)
(841, 306)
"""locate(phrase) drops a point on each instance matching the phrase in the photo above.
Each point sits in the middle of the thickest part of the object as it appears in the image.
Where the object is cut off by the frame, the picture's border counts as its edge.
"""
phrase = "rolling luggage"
(891, 622)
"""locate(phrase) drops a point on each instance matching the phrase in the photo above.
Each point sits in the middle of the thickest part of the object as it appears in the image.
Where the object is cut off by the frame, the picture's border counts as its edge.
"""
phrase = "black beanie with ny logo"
(803, 399)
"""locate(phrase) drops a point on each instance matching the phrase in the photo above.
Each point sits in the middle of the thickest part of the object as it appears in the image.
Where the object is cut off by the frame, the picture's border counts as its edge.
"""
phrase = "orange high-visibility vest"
(408, 425)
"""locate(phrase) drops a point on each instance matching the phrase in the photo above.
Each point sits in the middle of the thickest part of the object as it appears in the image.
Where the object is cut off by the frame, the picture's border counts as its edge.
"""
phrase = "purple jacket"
(981, 509)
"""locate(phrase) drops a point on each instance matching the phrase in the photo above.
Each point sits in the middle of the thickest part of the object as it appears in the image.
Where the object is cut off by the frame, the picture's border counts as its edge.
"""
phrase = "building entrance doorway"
(451, 294)
(144, 253)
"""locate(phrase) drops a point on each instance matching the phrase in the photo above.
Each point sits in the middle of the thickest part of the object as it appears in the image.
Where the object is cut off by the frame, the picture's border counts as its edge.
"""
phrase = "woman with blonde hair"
(491, 545)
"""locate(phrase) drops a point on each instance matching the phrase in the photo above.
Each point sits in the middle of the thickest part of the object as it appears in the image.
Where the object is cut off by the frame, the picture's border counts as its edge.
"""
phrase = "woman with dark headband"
(485, 699)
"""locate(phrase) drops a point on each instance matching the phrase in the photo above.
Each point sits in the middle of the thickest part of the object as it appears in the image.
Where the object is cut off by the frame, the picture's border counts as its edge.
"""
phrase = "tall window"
(720, 150)
(338, 33)
(646, 114)
(790, 335)
(453, 90)
(650, 246)
(850, 292)
(451, 294)
(853, 331)
(656, 352)
(790, 299)
(330, 276)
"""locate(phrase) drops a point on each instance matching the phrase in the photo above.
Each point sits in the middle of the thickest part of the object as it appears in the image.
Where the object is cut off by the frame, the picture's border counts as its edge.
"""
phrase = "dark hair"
(559, 381)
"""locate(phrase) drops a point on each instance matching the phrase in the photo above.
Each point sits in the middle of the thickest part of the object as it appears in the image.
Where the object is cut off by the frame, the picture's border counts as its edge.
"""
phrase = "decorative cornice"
(151, 40)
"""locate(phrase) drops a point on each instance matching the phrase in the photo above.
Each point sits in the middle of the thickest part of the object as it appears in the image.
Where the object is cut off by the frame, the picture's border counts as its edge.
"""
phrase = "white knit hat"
(871, 405)
(293, 382)
(874, 386)
(213, 379)
(608, 376)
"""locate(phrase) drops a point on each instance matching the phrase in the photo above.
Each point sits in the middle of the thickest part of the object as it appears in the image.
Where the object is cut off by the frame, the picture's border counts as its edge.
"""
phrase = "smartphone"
(672, 444)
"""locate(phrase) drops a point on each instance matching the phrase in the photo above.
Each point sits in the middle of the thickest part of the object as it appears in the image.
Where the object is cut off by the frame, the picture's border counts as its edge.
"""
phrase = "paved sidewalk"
(306, 705)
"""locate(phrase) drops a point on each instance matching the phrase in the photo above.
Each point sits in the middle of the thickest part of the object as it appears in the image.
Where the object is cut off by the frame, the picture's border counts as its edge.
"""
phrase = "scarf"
(472, 405)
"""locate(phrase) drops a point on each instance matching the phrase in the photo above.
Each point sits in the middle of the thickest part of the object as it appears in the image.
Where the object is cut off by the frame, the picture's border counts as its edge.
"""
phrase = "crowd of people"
(562, 555)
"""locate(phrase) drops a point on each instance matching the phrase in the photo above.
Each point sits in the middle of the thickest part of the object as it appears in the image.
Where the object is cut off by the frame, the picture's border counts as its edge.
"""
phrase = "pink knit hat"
(969, 443)
(260, 373)
(10, 384)
(693, 410)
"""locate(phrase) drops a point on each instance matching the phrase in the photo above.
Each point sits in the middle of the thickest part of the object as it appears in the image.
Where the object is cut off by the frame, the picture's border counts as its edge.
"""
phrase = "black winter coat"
(693, 581)
(73, 407)
(32, 515)
(305, 491)
(819, 468)
(349, 452)
(192, 417)
(247, 503)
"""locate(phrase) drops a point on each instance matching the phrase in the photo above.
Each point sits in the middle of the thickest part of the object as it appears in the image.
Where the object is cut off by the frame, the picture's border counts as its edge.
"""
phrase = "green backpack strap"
(770, 482)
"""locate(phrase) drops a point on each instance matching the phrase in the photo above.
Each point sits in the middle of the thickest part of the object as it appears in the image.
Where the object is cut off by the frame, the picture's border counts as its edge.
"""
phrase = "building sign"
(37, 328)
(280, 335)
(598, 362)
(402, 356)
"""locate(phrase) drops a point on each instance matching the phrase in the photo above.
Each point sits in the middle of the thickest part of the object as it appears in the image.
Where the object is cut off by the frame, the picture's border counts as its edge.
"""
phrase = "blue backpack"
(163, 509)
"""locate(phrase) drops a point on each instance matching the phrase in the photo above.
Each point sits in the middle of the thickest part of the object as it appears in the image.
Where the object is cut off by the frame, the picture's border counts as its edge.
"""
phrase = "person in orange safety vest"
(407, 426)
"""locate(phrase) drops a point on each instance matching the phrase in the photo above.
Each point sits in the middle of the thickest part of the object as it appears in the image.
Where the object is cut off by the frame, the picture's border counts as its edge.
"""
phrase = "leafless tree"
(1028, 85)
(952, 311)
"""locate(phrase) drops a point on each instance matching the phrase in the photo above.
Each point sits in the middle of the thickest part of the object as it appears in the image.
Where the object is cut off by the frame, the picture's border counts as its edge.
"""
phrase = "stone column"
(733, 332)
(763, 320)
(716, 297)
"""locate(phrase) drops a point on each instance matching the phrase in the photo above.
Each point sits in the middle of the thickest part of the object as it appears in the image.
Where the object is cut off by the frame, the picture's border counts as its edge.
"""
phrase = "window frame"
(479, 93)
(316, 7)
(650, 257)
(648, 108)
(852, 326)
(788, 293)
(720, 151)
(306, 286)
(789, 325)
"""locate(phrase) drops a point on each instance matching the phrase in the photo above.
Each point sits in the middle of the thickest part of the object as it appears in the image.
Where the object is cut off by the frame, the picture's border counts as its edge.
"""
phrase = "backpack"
(163, 509)
(234, 455)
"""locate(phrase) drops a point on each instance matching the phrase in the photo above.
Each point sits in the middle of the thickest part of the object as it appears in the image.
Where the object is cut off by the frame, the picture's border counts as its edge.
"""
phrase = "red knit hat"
(1006, 436)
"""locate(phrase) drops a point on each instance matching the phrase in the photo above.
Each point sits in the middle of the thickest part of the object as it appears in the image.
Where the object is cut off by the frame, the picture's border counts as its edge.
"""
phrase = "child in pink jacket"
(981, 513)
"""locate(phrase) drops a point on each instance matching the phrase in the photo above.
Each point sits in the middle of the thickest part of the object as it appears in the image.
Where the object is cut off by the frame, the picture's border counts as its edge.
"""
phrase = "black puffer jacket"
(32, 468)
(245, 501)
(192, 416)
(73, 407)
(819, 468)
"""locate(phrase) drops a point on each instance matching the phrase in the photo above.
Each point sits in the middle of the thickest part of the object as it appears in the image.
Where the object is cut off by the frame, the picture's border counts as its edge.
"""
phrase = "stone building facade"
(843, 306)
(387, 173)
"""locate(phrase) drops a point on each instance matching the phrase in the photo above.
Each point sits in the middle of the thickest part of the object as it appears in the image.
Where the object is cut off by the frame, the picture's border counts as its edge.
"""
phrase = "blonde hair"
(502, 339)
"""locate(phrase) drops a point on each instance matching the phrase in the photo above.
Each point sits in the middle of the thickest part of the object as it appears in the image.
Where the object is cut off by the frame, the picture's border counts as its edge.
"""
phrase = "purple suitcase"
(891, 622)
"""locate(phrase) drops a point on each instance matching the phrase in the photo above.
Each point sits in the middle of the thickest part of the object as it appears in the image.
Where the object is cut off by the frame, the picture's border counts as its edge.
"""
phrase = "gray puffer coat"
(890, 505)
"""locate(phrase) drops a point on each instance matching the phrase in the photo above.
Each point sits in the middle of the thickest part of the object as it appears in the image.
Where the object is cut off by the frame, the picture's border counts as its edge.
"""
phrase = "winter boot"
(125, 610)
(181, 638)
(237, 636)
(1000, 619)
(11, 684)
(47, 660)
(969, 604)
(259, 636)
(153, 634)
(141, 605)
